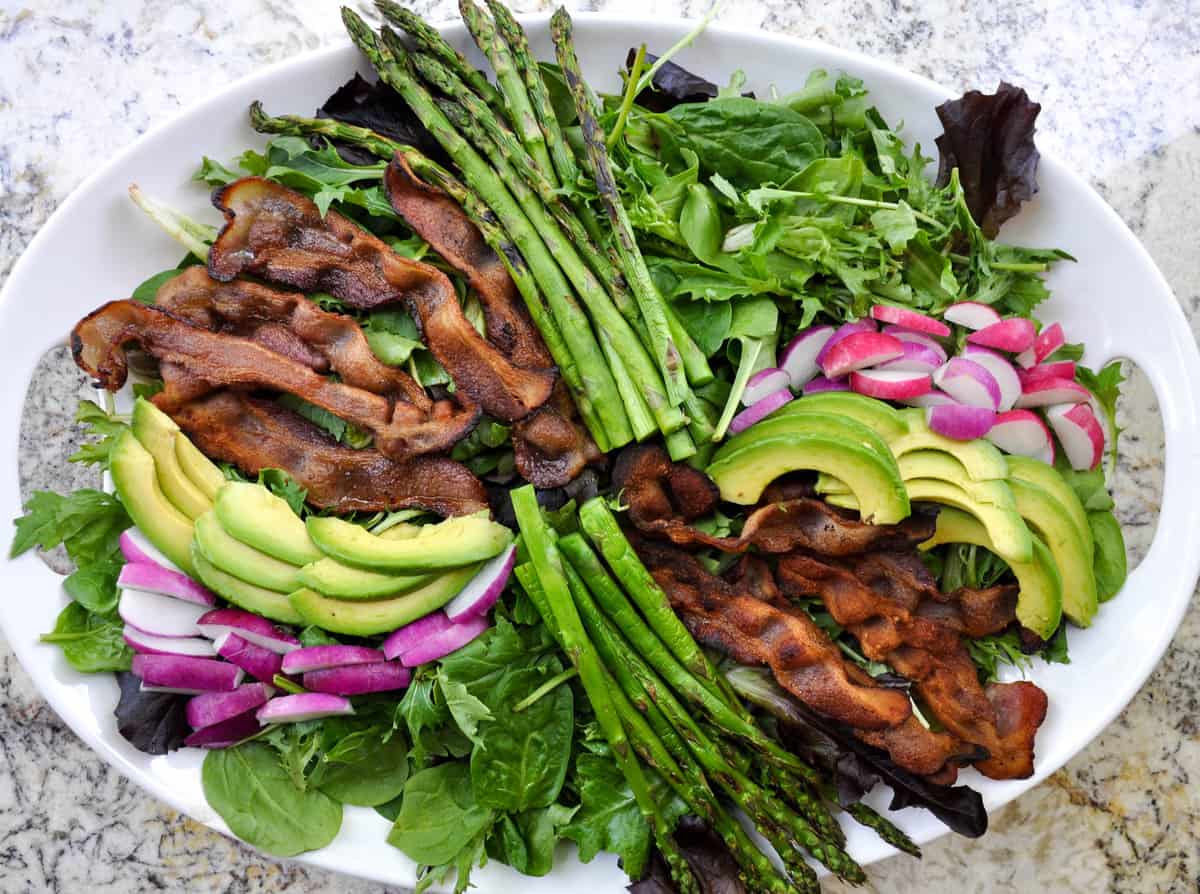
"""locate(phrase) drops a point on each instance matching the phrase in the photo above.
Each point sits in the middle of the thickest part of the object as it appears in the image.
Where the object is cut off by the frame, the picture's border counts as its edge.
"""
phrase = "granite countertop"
(1120, 88)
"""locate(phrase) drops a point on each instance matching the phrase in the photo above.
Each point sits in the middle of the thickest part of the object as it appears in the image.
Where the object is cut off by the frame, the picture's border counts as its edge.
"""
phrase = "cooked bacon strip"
(256, 434)
(551, 447)
(401, 430)
(274, 232)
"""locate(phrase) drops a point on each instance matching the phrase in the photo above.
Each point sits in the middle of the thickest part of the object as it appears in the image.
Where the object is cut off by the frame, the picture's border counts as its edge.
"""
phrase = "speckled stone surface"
(1120, 88)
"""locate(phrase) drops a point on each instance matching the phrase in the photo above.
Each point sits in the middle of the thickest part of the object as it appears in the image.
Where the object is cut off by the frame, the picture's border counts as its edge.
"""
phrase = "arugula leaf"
(990, 653)
(97, 422)
(214, 173)
(90, 642)
(468, 711)
(284, 486)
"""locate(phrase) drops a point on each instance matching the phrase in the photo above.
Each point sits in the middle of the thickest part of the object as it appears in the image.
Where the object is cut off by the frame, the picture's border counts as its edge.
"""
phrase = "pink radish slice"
(820, 383)
(442, 644)
(760, 410)
(137, 549)
(412, 635)
(482, 591)
(1044, 392)
(306, 706)
(909, 319)
(1023, 433)
(1026, 359)
(887, 384)
(164, 581)
(916, 338)
(916, 358)
(968, 383)
(359, 679)
(1103, 418)
(1014, 335)
(148, 644)
(844, 331)
(250, 627)
(799, 358)
(226, 733)
(959, 422)
(859, 351)
(159, 615)
(320, 657)
(217, 707)
(932, 399)
(259, 662)
(1079, 432)
(1048, 341)
(971, 315)
(177, 673)
(1002, 371)
(1059, 369)
(764, 382)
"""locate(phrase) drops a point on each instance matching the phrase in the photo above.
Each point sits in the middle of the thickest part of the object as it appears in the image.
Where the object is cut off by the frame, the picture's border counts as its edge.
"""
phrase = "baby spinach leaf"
(1109, 562)
(525, 841)
(374, 775)
(706, 322)
(94, 586)
(439, 815)
(90, 642)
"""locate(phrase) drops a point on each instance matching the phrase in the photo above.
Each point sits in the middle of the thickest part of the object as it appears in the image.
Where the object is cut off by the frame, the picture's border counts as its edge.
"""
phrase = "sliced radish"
(320, 657)
(1059, 369)
(258, 661)
(359, 679)
(1048, 341)
(1023, 433)
(1044, 392)
(844, 331)
(909, 319)
(916, 358)
(960, 422)
(1026, 359)
(226, 733)
(968, 383)
(148, 644)
(176, 673)
(764, 382)
(156, 579)
(1079, 432)
(442, 644)
(916, 338)
(1014, 335)
(137, 549)
(760, 410)
(1104, 420)
(799, 358)
(1007, 379)
(250, 627)
(971, 315)
(306, 706)
(932, 399)
(889, 384)
(859, 351)
(412, 635)
(217, 707)
(159, 615)
(482, 591)
(820, 383)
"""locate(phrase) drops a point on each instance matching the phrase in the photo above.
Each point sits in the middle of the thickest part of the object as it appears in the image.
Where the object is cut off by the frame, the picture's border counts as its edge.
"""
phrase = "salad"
(530, 465)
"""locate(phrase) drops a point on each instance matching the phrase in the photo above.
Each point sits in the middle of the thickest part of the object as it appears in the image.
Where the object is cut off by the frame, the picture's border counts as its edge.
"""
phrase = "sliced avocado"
(942, 466)
(245, 595)
(381, 615)
(875, 414)
(1039, 603)
(1109, 561)
(136, 483)
(742, 474)
(981, 459)
(813, 422)
(1053, 523)
(244, 562)
(447, 544)
(1052, 482)
(252, 514)
(331, 578)
(202, 471)
(156, 431)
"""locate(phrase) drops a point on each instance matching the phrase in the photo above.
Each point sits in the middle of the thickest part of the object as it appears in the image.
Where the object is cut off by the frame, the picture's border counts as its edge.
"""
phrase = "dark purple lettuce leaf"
(379, 108)
(713, 866)
(153, 722)
(989, 138)
(673, 85)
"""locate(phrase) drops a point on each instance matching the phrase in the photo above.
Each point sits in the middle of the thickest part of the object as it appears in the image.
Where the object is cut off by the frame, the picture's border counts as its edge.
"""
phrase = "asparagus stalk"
(641, 419)
(884, 828)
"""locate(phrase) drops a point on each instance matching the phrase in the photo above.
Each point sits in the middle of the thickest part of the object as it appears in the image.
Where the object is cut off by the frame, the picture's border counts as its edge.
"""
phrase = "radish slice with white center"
(226, 733)
(165, 582)
(932, 399)
(916, 358)
(1079, 432)
(159, 615)
(820, 384)
(760, 410)
(250, 627)
(412, 635)
(968, 383)
(185, 675)
(960, 422)
(859, 351)
(887, 384)
(1002, 371)
(1026, 359)
(320, 657)
(136, 548)
(971, 315)
(149, 644)
(258, 662)
(844, 331)
(1045, 392)
(917, 338)
(1023, 433)
(1059, 369)
(909, 319)
(305, 706)
(1104, 420)
(1048, 341)
(799, 358)
(482, 591)
(764, 382)
(217, 707)
(1013, 335)
(442, 644)
(359, 679)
